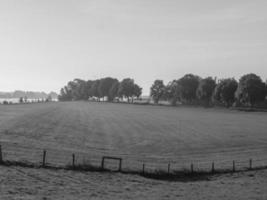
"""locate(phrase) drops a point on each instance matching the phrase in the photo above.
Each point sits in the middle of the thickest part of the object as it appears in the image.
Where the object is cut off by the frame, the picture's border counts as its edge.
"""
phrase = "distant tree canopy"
(191, 89)
(109, 88)
(157, 90)
(225, 91)
(205, 90)
(251, 89)
(29, 94)
(173, 92)
(129, 89)
(104, 87)
(188, 84)
(114, 90)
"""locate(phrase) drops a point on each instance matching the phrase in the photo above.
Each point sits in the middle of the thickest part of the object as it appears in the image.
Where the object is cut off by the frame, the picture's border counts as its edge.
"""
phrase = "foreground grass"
(25, 183)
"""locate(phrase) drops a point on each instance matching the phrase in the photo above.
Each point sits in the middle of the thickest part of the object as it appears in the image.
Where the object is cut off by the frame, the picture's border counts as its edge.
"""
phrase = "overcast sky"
(44, 44)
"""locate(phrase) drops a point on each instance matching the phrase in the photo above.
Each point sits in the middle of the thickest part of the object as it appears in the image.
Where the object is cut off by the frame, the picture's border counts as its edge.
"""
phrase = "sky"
(45, 44)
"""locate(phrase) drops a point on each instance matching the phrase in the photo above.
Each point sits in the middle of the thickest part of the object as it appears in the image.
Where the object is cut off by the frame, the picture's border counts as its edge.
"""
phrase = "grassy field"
(155, 135)
(32, 184)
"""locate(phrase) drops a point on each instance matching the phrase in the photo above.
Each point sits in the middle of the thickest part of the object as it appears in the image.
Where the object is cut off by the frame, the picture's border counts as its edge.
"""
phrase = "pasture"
(155, 135)
(24, 183)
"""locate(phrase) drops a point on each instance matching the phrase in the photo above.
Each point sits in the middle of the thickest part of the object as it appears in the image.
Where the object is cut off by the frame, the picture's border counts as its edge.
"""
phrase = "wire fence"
(62, 157)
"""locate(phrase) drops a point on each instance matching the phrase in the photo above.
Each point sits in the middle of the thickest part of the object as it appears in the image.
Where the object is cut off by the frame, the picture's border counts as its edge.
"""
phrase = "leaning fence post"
(1, 156)
(250, 164)
(233, 166)
(44, 157)
(212, 168)
(73, 160)
(192, 168)
(169, 167)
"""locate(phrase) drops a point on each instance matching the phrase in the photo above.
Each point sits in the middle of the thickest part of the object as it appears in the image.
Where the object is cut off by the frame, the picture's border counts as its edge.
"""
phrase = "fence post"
(102, 163)
(1, 156)
(169, 168)
(44, 157)
(120, 165)
(250, 164)
(233, 166)
(73, 160)
(192, 168)
(212, 168)
(143, 168)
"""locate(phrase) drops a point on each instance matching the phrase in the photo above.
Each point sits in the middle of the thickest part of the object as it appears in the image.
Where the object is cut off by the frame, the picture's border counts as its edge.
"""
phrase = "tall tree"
(137, 91)
(81, 89)
(94, 89)
(126, 88)
(113, 92)
(157, 90)
(65, 94)
(104, 87)
(225, 91)
(172, 92)
(205, 90)
(189, 84)
(88, 90)
(251, 89)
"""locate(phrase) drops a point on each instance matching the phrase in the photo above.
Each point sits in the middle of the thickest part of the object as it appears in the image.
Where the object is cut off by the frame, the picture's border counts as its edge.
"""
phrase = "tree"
(225, 91)
(88, 87)
(104, 87)
(137, 91)
(205, 90)
(189, 84)
(65, 94)
(113, 92)
(129, 89)
(126, 88)
(77, 89)
(172, 92)
(157, 90)
(94, 89)
(251, 89)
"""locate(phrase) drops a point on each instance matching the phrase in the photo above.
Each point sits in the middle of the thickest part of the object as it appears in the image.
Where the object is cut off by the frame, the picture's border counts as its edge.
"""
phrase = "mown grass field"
(150, 134)
(155, 135)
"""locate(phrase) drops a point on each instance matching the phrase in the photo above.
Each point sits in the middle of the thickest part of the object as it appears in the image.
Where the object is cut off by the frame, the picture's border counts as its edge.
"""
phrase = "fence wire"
(64, 157)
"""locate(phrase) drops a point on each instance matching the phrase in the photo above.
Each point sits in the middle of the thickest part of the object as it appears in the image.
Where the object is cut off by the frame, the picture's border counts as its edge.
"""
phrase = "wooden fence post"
(169, 168)
(44, 157)
(120, 165)
(192, 168)
(250, 164)
(1, 156)
(73, 160)
(233, 166)
(212, 168)
(143, 168)
(102, 163)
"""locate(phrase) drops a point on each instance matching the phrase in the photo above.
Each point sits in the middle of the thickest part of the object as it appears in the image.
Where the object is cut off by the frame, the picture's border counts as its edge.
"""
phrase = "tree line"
(192, 89)
(106, 88)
